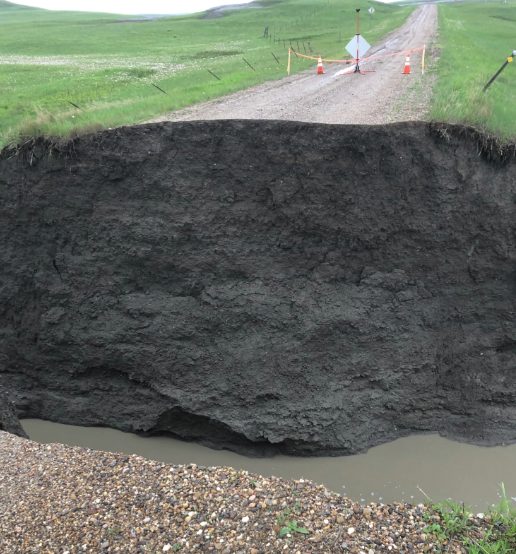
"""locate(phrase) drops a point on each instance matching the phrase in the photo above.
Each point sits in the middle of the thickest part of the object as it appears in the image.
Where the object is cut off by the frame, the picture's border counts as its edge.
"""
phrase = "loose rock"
(63, 499)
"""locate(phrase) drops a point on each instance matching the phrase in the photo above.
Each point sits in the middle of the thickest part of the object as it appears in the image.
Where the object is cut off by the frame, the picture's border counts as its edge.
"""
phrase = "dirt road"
(373, 98)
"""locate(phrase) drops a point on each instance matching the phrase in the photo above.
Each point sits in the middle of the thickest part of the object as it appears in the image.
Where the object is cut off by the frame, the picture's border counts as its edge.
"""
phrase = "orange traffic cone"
(406, 70)
(320, 69)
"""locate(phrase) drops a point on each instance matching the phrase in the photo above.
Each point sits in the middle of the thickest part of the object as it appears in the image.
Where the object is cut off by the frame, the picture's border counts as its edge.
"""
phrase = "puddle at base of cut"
(390, 472)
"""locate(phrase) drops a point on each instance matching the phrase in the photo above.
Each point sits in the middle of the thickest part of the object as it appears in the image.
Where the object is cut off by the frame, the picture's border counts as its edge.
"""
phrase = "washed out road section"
(55, 498)
(394, 472)
(267, 287)
(331, 98)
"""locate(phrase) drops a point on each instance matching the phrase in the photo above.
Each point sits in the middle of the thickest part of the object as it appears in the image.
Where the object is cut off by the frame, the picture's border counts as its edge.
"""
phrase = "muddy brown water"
(387, 473)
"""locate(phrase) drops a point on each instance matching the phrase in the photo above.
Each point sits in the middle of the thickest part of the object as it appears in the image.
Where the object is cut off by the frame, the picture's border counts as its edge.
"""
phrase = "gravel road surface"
(55, 499)
(373, 98)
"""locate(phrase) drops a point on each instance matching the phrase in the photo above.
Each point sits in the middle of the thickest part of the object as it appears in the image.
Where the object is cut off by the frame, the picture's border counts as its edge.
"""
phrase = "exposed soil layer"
(9, 421)
(262, 286)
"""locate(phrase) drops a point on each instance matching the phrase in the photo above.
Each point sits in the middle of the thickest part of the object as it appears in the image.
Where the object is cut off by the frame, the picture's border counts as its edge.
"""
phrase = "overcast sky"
(130, 6)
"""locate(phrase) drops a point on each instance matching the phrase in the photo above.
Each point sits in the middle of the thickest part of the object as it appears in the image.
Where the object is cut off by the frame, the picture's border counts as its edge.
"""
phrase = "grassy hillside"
(477, 38)
(4, 6)
(107, 67)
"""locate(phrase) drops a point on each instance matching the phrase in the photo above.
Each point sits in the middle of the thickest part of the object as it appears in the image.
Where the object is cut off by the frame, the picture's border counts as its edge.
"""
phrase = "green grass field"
(107, 67)
(476, 38)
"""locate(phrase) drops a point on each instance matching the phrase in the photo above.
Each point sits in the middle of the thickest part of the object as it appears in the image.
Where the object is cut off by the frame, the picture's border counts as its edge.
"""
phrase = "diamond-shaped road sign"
(371, 10)
(363, 46)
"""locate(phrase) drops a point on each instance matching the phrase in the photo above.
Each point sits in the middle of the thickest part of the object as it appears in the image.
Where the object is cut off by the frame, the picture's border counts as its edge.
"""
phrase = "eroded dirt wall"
(262, 286)
(9, 421)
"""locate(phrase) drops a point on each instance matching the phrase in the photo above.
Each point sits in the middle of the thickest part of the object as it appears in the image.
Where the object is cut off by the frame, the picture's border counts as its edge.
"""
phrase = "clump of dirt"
(263, 286)
(9, 421)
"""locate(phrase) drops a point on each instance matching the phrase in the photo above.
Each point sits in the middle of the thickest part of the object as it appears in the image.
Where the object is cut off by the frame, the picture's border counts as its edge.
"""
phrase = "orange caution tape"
(317, 59)
(395, 54)
(361, 59)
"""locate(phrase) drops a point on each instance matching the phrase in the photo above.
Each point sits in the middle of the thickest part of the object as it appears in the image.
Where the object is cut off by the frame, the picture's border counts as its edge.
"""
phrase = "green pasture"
(476, 39)
(107, 67)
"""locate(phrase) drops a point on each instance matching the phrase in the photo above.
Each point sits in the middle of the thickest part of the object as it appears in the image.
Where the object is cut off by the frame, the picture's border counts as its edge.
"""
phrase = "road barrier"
(406, 69)
(353, 61)
(320, 69)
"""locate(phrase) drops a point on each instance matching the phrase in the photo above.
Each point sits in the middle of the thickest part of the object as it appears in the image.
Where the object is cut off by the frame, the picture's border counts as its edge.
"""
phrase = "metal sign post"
(358, 45)
(358, 37)
(509, 59)
(371, 10)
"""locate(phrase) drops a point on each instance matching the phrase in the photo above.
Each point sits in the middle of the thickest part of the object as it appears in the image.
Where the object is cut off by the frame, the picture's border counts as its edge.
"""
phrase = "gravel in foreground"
(58, 499)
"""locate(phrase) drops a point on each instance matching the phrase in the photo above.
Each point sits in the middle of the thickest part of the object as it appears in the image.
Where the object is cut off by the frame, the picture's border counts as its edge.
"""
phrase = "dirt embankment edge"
(263, 286)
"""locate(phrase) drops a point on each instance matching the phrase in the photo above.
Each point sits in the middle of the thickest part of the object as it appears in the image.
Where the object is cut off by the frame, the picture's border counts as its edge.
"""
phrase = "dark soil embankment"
(9, 421)
(262, 286)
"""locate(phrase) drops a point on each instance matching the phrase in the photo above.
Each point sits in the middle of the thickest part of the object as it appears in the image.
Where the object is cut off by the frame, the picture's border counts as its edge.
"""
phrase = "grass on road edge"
(456, 529)
(476, 38)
